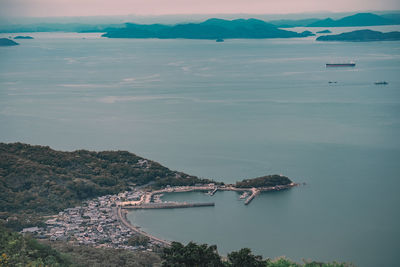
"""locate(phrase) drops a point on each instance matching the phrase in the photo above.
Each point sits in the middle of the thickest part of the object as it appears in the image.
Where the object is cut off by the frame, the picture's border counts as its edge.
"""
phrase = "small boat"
(350, 64)
(381, 83)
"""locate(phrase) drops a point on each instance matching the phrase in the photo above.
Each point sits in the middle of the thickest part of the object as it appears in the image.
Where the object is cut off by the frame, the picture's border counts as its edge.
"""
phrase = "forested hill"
(209, 29)
(37, 180)
(265, 181)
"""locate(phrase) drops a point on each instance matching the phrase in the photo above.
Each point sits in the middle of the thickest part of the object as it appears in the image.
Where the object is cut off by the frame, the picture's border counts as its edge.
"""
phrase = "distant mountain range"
(362, 36)
(359, 19)
(209, 29)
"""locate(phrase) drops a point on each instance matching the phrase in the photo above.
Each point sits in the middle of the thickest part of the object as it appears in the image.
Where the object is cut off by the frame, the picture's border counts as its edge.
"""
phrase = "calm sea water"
(228, 111)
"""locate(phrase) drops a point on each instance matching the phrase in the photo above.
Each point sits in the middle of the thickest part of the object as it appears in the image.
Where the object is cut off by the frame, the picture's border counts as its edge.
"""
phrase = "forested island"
(209, 29)
(362, 36)
(265, 181)
(324, 31)
(7, 42)
(23, 37)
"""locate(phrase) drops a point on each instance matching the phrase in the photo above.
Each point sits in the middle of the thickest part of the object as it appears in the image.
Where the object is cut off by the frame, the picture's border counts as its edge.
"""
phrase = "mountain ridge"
(213, 28)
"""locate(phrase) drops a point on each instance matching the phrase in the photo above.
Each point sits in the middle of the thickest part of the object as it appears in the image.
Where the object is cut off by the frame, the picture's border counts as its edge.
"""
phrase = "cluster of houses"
(94, 223)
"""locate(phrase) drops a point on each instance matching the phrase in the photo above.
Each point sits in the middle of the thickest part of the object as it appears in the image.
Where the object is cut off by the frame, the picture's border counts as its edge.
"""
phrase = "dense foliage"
(138, 240)
(204, 255)
(83, 256)
(18, 250)
(265, 181)
(39, 180)
(191, 255)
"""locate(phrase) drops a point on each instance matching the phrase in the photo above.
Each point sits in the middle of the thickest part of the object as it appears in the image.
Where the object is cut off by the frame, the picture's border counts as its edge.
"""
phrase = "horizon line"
(203, 14)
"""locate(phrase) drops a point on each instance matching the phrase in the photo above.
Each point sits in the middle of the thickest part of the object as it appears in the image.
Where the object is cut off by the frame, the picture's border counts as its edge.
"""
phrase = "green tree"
(244, 257)
(138, 240)
(191, 255)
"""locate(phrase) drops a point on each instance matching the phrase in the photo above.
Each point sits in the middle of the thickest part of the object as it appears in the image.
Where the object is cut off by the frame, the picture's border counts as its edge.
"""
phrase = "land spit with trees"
(65, 203)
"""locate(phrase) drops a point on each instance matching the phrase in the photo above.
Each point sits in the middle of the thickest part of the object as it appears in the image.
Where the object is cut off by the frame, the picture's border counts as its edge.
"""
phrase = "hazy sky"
(45, 8)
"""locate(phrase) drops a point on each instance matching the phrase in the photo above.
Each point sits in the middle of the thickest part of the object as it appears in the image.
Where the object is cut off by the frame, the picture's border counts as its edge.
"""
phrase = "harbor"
(152, 199)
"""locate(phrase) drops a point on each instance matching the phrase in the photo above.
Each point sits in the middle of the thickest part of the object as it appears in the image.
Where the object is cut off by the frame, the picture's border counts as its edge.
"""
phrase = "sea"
(239, 109)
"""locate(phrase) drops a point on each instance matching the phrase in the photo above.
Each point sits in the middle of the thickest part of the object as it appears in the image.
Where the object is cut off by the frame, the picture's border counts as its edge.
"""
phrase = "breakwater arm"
(167, 205)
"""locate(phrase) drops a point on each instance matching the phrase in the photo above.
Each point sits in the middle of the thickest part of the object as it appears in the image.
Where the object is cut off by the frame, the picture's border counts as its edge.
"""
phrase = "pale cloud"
(44, 8)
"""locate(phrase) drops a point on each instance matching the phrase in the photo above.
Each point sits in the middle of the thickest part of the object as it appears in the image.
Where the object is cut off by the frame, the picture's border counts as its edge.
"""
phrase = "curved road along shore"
(124, 221)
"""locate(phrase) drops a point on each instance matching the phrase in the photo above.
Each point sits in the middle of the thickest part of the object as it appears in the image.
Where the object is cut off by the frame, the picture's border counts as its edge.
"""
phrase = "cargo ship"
(351, 64)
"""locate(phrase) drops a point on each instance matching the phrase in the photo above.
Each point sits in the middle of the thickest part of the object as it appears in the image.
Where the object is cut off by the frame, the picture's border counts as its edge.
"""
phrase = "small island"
(23, 37)
(306, 34)
(265, 181)
(7, 42)
(325, 31)
(362, 36)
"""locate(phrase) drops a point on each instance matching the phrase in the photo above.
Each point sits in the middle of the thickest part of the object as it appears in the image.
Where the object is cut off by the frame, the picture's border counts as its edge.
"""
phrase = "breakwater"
(169, 205)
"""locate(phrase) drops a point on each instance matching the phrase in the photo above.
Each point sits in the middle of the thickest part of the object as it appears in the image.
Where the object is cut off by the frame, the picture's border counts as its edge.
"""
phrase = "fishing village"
(102, 222)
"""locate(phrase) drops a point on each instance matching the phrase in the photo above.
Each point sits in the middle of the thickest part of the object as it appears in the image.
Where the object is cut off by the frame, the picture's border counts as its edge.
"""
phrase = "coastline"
(121, 214)
(145, 202)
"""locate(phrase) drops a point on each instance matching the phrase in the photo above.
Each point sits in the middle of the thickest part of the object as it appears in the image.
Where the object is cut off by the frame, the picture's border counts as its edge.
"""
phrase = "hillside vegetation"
(18, 250)
(37, 180)
(203, 255)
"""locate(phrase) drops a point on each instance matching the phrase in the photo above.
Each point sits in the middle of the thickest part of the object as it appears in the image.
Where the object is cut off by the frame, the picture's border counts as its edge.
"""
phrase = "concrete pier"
(167, 205)
(214, 191)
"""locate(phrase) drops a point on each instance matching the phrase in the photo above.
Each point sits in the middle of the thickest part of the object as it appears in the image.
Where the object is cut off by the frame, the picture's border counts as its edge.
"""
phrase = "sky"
(46, 8)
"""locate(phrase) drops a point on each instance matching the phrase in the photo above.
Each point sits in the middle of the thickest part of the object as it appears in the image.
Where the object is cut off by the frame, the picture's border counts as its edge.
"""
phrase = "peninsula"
(362, 36)
(80, 206)
(209, 29)
(83, 196)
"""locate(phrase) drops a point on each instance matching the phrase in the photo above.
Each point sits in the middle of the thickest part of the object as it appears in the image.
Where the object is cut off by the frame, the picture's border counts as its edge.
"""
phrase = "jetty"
(169, 205)
(152, 199)
(214, 191)
(254, 192)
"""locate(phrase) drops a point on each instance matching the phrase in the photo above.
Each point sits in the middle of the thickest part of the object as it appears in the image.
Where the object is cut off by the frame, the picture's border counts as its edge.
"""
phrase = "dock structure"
(254, 192)
(169, 205)
(214, 191)
(146, 200)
